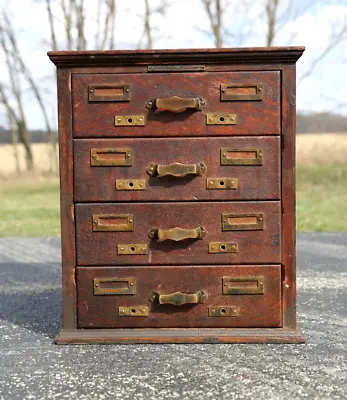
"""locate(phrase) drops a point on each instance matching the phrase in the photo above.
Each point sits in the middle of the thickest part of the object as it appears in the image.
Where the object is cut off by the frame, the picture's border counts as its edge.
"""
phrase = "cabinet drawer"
(249, 101)
(213, 169)
(179, 297)
(207, 233)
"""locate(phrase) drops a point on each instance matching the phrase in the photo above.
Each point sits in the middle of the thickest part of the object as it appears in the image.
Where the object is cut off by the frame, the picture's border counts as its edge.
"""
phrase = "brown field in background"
(323, 148)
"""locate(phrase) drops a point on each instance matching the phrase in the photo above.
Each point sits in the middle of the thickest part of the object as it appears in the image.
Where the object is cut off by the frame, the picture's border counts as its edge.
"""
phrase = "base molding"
(174, 335)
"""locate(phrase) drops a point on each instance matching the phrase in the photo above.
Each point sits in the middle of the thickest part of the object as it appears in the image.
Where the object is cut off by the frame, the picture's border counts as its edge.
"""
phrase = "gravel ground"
(32, 367)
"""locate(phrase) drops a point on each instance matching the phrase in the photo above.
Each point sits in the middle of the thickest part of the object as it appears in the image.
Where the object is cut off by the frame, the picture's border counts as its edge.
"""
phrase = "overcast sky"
(184, 25)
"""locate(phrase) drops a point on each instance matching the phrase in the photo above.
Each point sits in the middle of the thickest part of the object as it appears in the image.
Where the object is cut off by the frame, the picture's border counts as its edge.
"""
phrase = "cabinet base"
(188, 335)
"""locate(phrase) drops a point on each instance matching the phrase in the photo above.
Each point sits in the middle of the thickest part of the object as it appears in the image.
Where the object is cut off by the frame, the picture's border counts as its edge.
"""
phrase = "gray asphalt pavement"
(32, 367)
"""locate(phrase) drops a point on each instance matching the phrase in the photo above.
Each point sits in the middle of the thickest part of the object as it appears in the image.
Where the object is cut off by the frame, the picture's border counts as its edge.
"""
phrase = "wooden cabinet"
(178, 195)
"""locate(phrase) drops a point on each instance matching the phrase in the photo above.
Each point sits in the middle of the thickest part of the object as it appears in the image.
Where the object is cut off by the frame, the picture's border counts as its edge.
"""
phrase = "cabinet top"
(241, 55)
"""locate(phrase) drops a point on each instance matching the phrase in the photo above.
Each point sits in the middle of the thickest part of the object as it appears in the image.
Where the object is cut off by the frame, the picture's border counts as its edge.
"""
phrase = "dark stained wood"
(169, 202)
(288, 195)
(93, 119)
(100, 248)
(257, 182)
(66, 198)
(180, 335)
(261, 310)
(253, 55)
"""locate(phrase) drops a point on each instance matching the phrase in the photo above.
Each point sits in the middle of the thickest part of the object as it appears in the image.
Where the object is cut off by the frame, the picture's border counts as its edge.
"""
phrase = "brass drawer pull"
(176, 104)
(176, 169)
(177, 234)
(178, 298)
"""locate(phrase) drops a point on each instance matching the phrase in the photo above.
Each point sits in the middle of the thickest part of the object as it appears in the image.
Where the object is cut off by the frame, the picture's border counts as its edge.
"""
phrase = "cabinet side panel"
(288, 195)
(66, 198)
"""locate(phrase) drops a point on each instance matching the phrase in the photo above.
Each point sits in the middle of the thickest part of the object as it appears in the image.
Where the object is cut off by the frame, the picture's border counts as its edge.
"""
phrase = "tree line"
(70, 23)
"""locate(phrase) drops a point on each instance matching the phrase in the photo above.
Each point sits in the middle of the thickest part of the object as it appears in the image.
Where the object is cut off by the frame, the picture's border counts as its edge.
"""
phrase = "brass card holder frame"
(232, 156)
(108, 92)
(241, 92)
(126, 226)
(242, 289)
(97, 161)
(243, 222)
(101, 289)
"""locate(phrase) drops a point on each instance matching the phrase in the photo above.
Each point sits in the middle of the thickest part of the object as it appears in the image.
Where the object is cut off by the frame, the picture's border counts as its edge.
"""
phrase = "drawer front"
(207, 233)
(179, 297)
(234, 103)
(213, 169)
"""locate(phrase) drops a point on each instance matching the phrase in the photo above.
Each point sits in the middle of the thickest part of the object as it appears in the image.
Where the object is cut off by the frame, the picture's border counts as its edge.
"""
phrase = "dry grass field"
(42, 159)
(322, 148)
(29, 204)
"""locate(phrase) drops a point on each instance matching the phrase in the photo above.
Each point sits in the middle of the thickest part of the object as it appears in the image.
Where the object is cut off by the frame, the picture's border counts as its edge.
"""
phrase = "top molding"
(242, 55)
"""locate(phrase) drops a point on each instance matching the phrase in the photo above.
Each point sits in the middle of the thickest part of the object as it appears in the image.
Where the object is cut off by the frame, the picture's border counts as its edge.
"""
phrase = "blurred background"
(29, 185)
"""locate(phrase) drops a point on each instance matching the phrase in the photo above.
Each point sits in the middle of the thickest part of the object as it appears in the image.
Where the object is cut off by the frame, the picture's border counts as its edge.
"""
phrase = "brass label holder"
(221, 119)
(133, 311)
(107, 157)
(130, 184)
(223, 247)
(129, 120)
(175, 68)
(113, 223)
(240, 92)
(243, 222)
(108, 92)
(132, 249)
(232, 285)
(224, 311)
(107, 286)
(222, 183)
(230, 156)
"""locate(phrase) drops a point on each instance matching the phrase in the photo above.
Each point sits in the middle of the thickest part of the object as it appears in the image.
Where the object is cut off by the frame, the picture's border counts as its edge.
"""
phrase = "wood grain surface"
(93, 119)
(255, 182)
(262, 310)
(100, 248)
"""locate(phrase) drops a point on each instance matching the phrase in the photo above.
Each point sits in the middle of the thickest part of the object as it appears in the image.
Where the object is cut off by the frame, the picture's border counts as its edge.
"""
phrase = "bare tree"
(25, 71)
(11, 116)
(74, 20)
(338, 34)
(214, 12)
(15, 92)
(146, 39)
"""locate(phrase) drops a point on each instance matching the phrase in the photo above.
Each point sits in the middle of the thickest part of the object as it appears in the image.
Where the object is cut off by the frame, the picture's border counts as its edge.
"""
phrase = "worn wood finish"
(180, 335)
(246, 56)
(256, 310)
(288, 195)
(168, 202)
(255, 182)
(100, 248)
(66, 198)
(93, 119)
